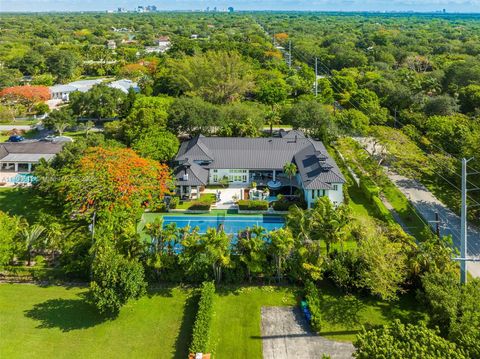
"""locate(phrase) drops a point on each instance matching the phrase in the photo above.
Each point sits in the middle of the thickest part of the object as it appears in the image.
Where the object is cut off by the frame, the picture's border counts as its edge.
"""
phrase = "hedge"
(284, 203)
(203, 320)
(312, 295)
(382, 211)
(252, 205)
(200, 206)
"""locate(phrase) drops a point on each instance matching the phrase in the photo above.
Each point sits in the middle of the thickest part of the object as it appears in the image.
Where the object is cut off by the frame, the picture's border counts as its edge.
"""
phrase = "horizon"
(347, 6)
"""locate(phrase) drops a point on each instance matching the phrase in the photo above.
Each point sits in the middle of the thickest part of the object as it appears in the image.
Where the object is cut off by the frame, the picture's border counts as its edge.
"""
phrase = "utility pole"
(316, 76)
(463, 224)
(290, 54)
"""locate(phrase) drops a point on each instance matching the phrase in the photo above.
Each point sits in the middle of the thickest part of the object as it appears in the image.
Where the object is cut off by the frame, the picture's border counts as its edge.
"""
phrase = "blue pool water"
(231, 224)
(23, 178)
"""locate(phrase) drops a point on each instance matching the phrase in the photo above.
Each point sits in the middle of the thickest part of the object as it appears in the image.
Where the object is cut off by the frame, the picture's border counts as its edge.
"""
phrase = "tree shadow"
(184, 337)
(65, 314)
(343, 310)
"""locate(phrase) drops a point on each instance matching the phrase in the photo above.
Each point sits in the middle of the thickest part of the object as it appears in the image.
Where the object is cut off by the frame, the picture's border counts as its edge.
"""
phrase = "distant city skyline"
(303, 5)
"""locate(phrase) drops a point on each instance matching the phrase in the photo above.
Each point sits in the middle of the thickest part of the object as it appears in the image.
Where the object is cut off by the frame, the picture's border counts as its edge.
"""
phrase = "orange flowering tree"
(25, 95)
(105, 180)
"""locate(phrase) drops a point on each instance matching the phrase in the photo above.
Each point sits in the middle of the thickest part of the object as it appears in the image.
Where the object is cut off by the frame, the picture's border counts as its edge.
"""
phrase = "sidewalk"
(427, 205)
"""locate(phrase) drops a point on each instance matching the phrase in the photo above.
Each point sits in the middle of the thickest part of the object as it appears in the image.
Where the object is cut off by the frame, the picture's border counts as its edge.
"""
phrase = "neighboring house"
(163, 44)
(23, 156)
(111, 45)
(62, 92)
(240, 160)
(125, 85)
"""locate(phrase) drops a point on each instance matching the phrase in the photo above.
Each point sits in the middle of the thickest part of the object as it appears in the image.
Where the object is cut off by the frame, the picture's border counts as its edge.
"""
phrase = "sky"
(320, 5)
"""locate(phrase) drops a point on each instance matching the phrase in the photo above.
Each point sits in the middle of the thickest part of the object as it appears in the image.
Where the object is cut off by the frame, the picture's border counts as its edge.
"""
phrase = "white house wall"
(234, 176)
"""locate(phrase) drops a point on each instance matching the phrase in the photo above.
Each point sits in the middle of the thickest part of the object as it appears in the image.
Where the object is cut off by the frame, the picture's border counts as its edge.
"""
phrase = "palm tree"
(281, 244)
(328, 222)
(273, 118)
(251, 248)
(31, 236)
(290, 170)
(216, 245)
(298, 221)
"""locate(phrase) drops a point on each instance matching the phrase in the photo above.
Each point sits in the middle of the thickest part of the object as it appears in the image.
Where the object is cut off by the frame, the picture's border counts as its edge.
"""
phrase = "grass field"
(56, 322)
(236, 325)
(24, 202)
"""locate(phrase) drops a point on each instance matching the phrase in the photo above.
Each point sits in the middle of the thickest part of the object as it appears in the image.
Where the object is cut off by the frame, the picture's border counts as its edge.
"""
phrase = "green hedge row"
(382, 211)
(252, 205)
(200, 206)
(201, 327)
(284, 203)
(24, 273)
(312, 295)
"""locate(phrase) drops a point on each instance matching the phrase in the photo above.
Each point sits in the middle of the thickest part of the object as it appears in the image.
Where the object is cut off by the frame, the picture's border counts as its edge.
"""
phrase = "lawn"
(24, 202)
(204, 197)
(56, 322)
(344, 315)
(235, 331)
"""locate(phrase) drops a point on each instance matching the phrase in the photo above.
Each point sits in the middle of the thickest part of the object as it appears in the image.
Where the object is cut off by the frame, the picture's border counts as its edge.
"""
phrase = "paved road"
(427, 204)
(285, 335)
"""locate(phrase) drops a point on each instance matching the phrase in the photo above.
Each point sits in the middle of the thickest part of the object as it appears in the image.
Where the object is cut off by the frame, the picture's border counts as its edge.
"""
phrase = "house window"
(335, 187)
(215, 178)
(215, 171)
(313, 194)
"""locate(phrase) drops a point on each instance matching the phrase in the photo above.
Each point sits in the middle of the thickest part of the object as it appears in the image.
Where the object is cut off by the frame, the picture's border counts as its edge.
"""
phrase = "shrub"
(174, 202)
(368, 187)
(284, 203)
(203, 319)
(200, 206)
(250, 205)
(312, 295)
(405, 341)
(382, 211)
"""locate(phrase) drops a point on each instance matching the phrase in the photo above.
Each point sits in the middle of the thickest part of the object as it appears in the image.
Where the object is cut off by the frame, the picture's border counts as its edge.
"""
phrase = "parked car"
(16, 138)
(48, 138)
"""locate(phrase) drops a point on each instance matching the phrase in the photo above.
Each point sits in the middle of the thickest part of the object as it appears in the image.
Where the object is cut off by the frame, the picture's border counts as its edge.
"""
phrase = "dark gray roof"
(292, 134)
(28, 151)
(197, 175)
(317, 169)
(262, 154)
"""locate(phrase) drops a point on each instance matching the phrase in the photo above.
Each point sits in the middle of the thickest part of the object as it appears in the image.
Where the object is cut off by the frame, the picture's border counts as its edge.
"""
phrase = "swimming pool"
(231, 224)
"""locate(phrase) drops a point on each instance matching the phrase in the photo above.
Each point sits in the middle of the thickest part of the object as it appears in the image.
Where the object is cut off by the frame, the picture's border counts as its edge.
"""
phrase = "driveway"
(286, 335)
(427, 204)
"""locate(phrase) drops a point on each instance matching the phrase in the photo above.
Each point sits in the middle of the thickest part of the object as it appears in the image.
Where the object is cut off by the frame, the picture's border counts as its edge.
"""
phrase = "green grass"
(25, 202)
(56, 322)
(406, 211)
(235, 331)
(344, 315)
(204, 197)
(19, 122)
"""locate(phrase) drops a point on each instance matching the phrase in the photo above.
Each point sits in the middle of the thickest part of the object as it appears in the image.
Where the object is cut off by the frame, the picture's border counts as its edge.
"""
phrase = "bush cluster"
(252, 205)
(284, 203)
(201, 327)
(200, 206)
(312, 295)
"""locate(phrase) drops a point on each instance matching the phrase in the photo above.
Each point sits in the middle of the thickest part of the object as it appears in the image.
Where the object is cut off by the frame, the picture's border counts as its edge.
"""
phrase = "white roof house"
(62, 92)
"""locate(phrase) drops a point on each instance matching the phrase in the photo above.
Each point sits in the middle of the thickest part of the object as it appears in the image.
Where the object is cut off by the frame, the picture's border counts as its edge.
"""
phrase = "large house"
(62, 92)
(206, 161)
(21, 157)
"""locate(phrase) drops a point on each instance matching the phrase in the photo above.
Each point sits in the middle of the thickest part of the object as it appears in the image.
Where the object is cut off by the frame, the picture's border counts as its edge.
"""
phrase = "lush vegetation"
(411, 83)
(203, 319)
(56, 321)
